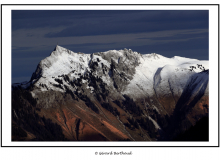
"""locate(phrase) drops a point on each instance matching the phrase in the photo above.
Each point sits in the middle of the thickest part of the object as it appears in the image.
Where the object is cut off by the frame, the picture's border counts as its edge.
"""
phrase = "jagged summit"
(56, 47)
(58, 50)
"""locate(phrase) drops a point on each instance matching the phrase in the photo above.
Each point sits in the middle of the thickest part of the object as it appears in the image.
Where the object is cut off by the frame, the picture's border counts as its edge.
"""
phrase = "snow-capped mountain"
(141, 92)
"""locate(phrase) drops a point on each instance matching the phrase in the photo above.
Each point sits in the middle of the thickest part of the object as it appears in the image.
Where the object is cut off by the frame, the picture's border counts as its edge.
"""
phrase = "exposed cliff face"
(116, 95)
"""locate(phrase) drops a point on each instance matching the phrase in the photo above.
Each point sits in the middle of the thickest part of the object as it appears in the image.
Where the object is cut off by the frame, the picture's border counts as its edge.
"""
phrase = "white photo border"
(213, 74)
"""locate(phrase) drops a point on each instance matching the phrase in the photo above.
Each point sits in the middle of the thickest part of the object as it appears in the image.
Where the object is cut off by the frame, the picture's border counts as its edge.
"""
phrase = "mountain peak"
(153, 56)
(58, 48)
(118, 93)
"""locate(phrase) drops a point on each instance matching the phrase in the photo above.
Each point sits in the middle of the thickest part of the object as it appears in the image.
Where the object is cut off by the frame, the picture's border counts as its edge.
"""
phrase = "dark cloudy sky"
(35, 33)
